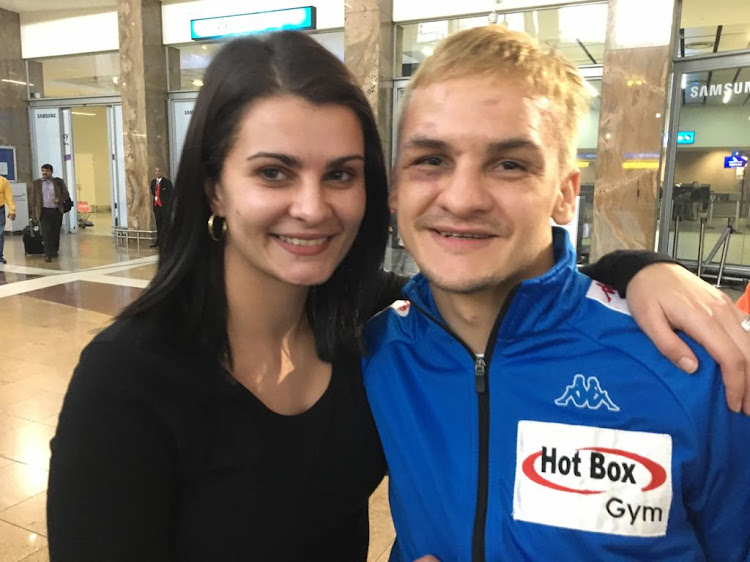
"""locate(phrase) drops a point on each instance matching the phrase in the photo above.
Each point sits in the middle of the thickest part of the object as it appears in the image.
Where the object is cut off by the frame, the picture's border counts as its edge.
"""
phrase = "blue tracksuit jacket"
(571, 438)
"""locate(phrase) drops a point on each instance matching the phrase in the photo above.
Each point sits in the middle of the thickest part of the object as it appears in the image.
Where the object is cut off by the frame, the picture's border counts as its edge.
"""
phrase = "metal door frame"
(682, 67)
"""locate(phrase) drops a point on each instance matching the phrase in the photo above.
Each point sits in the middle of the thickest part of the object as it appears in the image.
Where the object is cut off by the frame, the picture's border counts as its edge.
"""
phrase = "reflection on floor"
(48, 313)
(97, 224)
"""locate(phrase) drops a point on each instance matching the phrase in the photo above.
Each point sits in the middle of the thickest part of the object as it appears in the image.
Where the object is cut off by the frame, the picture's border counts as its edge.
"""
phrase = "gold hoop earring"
(212, 232)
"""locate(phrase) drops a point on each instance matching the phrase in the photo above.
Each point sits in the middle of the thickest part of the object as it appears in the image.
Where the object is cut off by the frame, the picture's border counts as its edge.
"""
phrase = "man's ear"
(565, 206)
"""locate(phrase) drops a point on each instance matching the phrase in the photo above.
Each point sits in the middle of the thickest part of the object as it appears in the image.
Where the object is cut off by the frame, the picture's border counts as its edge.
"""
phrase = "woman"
(222, 416)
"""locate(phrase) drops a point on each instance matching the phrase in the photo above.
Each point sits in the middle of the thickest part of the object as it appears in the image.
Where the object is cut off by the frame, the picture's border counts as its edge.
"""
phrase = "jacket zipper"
(483, 469)
(481, 385)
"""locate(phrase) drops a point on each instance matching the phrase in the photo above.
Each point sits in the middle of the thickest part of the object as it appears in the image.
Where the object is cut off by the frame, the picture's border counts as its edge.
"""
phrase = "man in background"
(161, 191)
(46, 201)
(6, 200)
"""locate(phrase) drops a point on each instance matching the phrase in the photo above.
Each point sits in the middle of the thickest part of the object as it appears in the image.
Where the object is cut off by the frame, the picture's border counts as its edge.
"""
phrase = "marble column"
(637, 60)
(368, 52)
(14, 114)
(174, 68)
(36, 78)
(143, 87)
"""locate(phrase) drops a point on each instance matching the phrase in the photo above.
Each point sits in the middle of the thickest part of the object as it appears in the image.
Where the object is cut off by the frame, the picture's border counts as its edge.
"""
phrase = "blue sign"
(258, 22)
(8, 162)
(685, 137)
(736, 160)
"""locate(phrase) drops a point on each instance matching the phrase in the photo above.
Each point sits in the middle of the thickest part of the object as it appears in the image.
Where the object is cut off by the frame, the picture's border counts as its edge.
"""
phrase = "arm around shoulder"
(112, 471)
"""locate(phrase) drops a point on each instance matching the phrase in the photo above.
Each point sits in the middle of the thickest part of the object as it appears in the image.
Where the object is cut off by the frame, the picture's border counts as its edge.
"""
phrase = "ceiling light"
(684, 81)
(83, 113)
(198, 83)
(658, 115)
(115, 79)
(427, 51)
(15, 82)
(727, 96)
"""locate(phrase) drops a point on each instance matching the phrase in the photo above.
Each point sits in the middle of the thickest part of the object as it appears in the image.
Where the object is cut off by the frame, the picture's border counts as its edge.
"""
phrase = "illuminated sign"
(736, 160)
(726, 89)
(258, 22)
(685, 137)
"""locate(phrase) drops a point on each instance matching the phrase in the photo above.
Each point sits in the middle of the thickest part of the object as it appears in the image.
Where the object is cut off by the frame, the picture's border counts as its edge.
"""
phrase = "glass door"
(52, 141)
(707, 184)
(117, 167)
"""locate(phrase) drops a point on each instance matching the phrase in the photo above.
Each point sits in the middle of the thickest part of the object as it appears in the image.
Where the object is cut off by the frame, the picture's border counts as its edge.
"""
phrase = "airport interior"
(104, 91)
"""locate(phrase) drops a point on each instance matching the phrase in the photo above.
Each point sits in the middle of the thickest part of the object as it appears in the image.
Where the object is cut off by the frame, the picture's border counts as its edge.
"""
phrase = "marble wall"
(143, 87)
(14, 116)
(368, 52)
(637, 62)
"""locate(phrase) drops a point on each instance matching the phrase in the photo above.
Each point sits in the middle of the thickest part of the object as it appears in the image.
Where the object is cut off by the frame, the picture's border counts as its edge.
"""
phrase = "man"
(523, 413)
(46, 201)
(161, 191)
(6, 200)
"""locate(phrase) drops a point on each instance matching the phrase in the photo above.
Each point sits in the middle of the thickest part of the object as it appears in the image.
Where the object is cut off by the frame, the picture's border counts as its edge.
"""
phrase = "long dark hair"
(188, 286)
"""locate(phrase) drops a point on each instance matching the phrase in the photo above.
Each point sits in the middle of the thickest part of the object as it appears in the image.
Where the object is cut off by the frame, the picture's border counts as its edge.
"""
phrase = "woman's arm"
(112, 478)
(664, 297)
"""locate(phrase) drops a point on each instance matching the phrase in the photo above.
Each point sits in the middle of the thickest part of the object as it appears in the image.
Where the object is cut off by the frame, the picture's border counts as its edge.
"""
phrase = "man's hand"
(12, 216)
(665, 297)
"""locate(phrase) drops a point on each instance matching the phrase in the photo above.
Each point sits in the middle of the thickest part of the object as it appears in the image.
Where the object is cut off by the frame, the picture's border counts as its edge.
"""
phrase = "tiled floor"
(48, 313)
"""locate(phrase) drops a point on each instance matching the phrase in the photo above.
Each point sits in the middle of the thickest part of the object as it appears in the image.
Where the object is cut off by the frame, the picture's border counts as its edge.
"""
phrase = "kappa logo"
(586, 393)
(608, 291)
(401, 307)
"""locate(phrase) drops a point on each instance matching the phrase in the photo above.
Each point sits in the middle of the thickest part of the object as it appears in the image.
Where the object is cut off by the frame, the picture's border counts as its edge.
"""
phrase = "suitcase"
(32, 240)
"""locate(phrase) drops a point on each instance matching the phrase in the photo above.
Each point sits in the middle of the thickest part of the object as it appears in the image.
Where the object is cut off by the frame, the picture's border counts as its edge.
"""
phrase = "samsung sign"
(259, 22)
(720, 89)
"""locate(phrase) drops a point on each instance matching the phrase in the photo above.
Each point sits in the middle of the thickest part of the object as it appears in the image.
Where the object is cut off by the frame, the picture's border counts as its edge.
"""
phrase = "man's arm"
(64, 193)
(9, 199)
(664, 297)
(32, 200)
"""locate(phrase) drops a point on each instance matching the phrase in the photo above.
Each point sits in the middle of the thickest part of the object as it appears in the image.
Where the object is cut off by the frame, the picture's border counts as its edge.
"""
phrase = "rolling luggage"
(32, 239)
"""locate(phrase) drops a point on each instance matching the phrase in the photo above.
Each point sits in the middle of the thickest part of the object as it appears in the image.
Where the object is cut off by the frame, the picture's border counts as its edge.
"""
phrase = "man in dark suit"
(46, 202)
(161, 191)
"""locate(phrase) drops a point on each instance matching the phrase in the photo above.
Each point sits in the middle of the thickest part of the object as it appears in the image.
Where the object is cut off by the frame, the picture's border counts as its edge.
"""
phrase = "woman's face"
(292, 190)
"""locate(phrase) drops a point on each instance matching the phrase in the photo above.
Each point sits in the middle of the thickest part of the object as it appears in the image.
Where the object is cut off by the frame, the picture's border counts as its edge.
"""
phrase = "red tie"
(157, 202)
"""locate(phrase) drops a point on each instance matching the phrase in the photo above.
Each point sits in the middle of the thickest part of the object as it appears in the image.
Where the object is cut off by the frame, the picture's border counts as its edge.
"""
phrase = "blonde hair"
(495, 50)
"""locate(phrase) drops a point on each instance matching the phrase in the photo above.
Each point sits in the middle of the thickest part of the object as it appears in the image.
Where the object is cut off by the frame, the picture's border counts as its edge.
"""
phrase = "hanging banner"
(47, 140)
(183, 113)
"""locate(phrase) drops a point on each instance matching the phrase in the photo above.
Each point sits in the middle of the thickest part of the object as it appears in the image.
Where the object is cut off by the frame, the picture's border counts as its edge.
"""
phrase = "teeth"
(454, 235)
(303, 242)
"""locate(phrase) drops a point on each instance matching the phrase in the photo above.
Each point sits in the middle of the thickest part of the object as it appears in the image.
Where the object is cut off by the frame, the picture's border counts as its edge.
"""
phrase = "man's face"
(157, 173)
(477, 180)
(46, 173)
